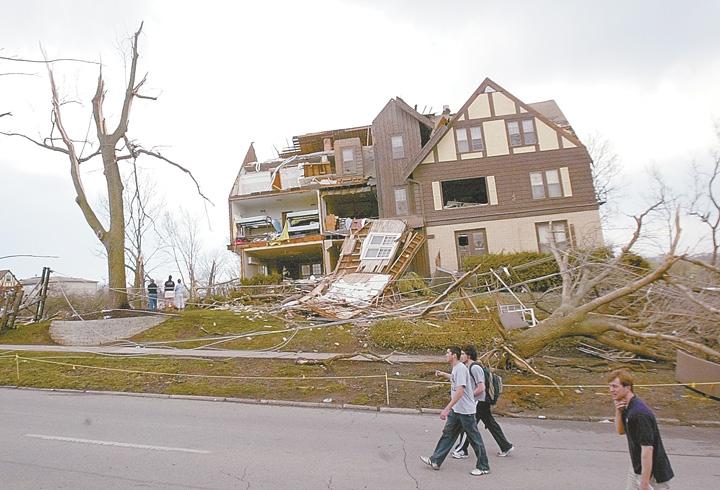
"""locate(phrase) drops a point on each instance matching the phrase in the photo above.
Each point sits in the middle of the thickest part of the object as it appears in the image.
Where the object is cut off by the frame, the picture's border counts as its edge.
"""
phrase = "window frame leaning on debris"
(386, 242)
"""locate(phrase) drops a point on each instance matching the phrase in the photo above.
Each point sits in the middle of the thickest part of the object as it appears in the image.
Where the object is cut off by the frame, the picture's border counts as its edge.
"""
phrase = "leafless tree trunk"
(113, 147)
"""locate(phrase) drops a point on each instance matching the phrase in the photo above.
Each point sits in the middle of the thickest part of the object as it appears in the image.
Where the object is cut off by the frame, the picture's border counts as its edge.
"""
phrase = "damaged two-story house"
(498, 175)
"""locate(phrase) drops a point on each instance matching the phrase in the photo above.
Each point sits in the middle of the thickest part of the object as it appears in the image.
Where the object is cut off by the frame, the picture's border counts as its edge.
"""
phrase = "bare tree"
(183, 242)
(705, 204)
(113, 146)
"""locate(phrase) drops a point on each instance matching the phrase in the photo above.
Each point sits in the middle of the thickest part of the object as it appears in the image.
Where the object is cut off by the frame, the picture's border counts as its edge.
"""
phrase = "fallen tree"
(616, 304)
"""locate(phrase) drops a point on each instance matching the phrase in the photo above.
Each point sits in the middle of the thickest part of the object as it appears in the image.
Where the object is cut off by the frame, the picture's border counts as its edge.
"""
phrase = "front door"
(470, 242)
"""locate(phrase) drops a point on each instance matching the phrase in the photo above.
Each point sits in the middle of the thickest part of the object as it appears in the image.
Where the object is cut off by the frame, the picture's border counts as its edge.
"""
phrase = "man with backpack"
(458, 417)
(485, 399)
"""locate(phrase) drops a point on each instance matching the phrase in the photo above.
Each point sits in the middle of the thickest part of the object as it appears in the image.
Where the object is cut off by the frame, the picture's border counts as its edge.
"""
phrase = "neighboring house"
(7, 280)
(499, 175)
(58, 285)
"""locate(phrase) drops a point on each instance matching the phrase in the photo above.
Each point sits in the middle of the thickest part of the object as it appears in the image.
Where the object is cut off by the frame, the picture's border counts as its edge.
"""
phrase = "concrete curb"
(347, 406)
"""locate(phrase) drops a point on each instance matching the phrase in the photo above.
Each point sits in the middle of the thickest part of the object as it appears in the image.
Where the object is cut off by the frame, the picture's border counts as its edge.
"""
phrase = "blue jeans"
(152, 301)
(455, 424)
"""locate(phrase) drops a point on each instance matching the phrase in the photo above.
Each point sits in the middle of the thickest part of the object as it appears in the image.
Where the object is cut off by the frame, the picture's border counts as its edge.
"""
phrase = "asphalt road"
(74, 440)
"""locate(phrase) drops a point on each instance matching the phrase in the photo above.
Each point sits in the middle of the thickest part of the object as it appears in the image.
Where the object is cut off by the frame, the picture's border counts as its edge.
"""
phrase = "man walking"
(482, 412)
(458, 416)
(152, 295)
(650, 465)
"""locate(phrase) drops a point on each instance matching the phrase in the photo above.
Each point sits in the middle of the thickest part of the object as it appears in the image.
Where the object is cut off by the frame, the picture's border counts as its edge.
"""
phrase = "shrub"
(404, 335)
(512, 261)
(411, 284)
(262, 279)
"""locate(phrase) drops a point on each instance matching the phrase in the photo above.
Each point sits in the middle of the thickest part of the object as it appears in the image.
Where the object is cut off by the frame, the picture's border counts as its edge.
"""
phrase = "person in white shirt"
(459, 415)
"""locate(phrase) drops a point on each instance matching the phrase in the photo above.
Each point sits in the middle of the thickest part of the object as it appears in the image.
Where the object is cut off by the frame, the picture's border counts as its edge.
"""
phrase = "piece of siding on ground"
(690, 369)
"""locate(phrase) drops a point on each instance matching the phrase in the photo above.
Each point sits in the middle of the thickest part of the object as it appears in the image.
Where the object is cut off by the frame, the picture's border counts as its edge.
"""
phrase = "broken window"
(466, 192)
(379, 245)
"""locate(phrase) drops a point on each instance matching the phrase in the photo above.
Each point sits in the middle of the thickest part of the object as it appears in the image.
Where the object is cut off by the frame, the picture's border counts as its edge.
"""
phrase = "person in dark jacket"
(152, 295)
(169, 292)
(650, 467)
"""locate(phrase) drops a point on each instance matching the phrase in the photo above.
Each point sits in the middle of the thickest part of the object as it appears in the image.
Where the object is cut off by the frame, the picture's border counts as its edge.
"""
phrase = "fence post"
(17, 367)
(387, 389)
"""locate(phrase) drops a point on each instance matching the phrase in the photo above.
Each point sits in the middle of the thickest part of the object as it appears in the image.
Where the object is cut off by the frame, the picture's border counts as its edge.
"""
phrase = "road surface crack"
(407, 470)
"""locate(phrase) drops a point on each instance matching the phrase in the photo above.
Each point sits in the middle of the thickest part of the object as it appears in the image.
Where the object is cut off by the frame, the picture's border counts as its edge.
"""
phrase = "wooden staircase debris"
(350, 262)
(412, 246)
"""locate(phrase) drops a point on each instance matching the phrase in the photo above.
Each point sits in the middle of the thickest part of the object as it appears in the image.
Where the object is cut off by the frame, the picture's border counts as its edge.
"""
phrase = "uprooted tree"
(113, 146)
(630, 307)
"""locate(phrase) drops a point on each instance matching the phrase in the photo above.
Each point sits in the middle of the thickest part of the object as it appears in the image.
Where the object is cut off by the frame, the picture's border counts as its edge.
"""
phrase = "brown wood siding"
(512, 181)
(393, 121)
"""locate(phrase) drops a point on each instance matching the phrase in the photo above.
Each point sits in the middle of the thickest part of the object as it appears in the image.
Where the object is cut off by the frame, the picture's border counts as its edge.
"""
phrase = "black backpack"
(493, 384)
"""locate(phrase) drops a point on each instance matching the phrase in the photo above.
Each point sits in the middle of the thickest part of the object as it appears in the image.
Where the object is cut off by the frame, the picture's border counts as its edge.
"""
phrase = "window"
(398, 149)
(348, 159)
(401, 202)
(522, 132)
(475, 141)
(537, 185)
(466, 192)
(462, 141)
(307, 270)
(379, 245)
(546, 184)
(470, 242)
(558, 230)
(553, 183)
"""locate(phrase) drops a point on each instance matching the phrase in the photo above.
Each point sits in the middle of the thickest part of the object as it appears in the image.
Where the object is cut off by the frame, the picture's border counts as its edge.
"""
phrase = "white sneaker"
(502, 454)
(477, 472)
(428, 462)
(459, 454)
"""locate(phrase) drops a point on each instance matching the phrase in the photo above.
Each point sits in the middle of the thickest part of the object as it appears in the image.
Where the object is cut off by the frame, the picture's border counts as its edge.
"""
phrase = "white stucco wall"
(511, 235)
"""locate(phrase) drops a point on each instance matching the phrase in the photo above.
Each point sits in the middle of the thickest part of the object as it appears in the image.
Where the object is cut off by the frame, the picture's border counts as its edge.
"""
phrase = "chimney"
(446, 109)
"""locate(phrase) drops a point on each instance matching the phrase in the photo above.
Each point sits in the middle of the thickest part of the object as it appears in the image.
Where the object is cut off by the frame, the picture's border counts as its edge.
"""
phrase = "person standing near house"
(459, 415)
(152, 295)
(477, 375)
(169, 292)
(180, 292)
(650, 468)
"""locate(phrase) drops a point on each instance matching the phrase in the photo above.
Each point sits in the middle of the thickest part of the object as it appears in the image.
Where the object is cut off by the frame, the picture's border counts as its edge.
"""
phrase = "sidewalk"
(240, 354)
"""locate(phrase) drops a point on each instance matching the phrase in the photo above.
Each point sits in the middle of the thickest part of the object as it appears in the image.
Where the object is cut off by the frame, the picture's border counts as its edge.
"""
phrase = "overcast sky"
(642, 74)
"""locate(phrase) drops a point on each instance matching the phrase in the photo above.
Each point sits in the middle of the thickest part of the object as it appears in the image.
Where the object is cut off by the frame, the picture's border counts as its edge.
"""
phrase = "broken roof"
(314, 142)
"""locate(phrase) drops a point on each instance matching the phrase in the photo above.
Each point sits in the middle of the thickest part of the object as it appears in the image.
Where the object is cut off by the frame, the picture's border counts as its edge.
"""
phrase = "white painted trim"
(565, 178)
(437, 196)
(492, 190)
